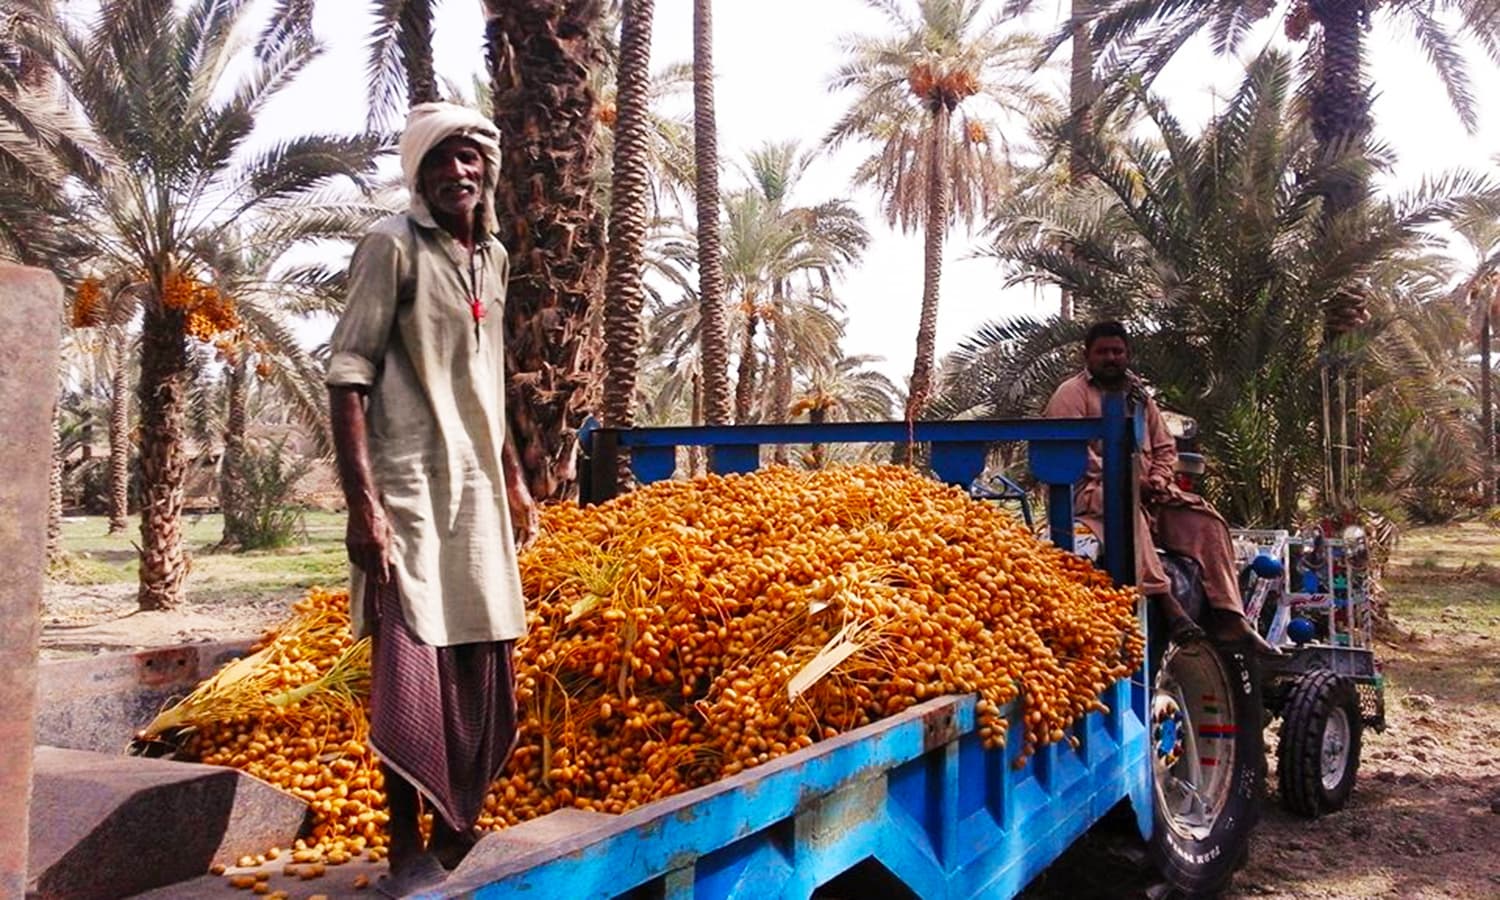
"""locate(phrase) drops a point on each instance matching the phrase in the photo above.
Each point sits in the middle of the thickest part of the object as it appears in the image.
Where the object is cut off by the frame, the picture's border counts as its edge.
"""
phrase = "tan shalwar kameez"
(1181, 522)
(442, 698)
(436, 424)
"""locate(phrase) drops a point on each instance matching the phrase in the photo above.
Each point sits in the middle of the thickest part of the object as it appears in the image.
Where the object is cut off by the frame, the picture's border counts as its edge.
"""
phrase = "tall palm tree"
(716, 398)
(110, 308)
(541, 54)
(119, 432)
(1083, 90)
(948, 65)
(628, 217)
(153, 83)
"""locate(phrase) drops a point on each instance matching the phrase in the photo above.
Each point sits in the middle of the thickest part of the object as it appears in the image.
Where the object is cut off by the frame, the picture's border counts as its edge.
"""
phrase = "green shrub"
(268, 477)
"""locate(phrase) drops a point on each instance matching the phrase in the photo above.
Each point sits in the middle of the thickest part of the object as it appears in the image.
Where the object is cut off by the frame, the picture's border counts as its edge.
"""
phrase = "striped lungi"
(444, 718)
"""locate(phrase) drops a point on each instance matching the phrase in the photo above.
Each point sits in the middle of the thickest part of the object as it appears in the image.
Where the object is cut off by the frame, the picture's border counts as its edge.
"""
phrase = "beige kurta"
(1183, 522)
(436, 422)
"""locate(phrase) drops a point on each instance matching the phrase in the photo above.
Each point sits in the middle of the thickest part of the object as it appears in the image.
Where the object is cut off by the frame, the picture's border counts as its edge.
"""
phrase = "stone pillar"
(30, 315)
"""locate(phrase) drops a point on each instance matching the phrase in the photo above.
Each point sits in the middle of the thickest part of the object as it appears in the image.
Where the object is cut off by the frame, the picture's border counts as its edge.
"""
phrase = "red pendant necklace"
(476, 293)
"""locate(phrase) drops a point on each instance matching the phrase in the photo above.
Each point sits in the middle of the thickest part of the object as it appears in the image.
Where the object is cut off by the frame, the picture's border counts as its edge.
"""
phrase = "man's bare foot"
(412, 875)
(449, 846)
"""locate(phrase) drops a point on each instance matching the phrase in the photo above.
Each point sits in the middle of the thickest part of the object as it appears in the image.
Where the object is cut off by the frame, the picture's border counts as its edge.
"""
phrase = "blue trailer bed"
(913, 800)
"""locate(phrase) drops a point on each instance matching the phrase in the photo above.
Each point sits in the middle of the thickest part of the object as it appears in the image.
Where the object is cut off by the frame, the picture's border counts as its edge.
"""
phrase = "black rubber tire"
(1299, 754)
(1204, 867)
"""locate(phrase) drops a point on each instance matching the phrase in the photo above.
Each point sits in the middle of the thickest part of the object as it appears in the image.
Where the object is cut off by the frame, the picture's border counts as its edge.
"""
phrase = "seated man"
(1174, 519)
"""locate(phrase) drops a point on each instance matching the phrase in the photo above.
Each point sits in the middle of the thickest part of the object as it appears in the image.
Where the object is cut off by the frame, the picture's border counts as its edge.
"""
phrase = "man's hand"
(368, 540)
(525, 520)
(1158, 486)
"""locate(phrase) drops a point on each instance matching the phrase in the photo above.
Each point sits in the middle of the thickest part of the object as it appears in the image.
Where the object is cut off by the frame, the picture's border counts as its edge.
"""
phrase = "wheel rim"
(1335, 748)
(1192, 740)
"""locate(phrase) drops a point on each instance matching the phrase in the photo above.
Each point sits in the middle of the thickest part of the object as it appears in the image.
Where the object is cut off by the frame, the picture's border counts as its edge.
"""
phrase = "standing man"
(1168, 516)
(417, 389)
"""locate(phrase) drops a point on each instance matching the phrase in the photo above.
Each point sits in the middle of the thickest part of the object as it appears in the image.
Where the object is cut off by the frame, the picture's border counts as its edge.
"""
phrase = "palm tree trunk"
(163, 391)
(119, 434)
(744, 388)
(932, 264)
(1341, 123)
(714, 334)
(696, 455)
(817, 416)
(627, 217)
(231, 463)
(1487, 409)
(1081, 103)
(781, 385)
(416, 51)
(540, 54)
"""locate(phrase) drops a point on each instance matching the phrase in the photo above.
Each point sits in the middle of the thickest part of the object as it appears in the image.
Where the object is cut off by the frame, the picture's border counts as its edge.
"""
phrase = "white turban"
(429, 124)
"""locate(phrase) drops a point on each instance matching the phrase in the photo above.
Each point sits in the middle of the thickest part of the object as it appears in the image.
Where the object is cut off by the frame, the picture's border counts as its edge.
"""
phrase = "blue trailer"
(913, 805)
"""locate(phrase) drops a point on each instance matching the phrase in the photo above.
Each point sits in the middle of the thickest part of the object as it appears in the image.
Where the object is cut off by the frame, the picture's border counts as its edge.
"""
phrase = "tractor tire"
(1208, 764)
(1317, 759)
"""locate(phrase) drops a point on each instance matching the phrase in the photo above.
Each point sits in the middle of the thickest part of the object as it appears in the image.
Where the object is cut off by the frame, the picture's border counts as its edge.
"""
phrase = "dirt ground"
(90, 602)
(1424, 820)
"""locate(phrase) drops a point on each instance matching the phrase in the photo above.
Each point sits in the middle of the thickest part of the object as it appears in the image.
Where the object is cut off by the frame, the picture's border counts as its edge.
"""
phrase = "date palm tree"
(1083, 88)
(109, 309)
(927, 95)
(775, 253)
(252, 265)
(1340, 88)
(174, 95)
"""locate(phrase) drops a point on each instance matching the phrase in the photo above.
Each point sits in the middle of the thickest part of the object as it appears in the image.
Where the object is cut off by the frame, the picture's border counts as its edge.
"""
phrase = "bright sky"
(773, 59)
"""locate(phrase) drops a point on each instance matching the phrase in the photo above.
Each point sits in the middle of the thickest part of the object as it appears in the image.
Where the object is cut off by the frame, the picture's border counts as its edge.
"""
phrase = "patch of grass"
(316, 558)
(1449, 546)
(1445, 605)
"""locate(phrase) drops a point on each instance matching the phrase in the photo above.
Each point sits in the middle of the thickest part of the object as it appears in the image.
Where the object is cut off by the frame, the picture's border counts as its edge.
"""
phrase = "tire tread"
(1299, 761)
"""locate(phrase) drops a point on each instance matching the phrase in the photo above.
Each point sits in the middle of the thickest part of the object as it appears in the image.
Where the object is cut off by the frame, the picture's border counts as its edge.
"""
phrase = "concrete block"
(112, 826)
(100, 702)
(30, 316)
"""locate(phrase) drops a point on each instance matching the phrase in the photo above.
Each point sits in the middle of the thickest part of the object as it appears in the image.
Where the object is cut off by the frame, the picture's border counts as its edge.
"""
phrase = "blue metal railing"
(1057, 451)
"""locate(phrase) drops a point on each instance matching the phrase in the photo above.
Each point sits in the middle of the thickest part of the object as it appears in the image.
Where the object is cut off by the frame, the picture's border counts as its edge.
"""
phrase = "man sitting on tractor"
(1168, 516)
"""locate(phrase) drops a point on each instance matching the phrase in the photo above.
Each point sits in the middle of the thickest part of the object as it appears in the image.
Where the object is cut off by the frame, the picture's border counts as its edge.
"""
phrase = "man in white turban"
(434, 488)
